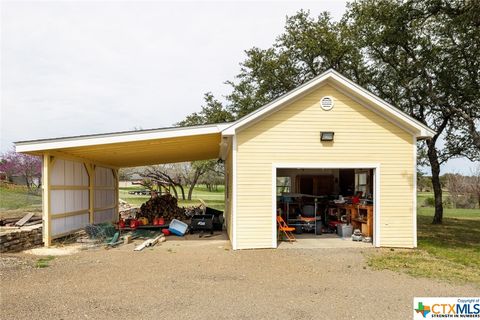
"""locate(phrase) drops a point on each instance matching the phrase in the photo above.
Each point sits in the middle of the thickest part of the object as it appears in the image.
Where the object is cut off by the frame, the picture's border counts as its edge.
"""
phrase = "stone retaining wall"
(18, 239)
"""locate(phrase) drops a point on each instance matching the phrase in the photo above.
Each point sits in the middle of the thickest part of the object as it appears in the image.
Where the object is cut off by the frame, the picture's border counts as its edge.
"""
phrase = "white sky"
(70, 68)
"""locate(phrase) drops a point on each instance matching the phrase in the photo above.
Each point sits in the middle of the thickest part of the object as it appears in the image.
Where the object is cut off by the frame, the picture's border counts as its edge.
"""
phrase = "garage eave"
(31, 146)
(135, 148)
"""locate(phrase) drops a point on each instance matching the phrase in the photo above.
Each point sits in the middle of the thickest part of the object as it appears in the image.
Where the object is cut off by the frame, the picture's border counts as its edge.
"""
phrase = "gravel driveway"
(204, 279)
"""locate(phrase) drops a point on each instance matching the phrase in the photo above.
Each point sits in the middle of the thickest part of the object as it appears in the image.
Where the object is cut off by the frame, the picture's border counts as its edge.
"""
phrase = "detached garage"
(327, 140)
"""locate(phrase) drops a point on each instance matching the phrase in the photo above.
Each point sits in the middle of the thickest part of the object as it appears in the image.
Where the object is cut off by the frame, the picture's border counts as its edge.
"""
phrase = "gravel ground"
(205, 279)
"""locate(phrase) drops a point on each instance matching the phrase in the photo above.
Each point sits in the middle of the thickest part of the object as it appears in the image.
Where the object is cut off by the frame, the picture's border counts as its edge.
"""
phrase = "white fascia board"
(131, 136)
(391, 111)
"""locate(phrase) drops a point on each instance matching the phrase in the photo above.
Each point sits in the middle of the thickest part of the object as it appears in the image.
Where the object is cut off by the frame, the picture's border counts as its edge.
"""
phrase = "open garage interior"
(326, 204)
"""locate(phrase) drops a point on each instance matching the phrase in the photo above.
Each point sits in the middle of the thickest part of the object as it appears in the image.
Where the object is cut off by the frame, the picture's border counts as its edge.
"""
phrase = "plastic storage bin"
(344, 230)
(178, 227)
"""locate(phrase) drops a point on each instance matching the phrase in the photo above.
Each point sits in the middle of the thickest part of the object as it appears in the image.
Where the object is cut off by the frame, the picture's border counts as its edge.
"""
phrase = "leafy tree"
(212, 112)
(424, 58)
(308, 47)
(421, 56)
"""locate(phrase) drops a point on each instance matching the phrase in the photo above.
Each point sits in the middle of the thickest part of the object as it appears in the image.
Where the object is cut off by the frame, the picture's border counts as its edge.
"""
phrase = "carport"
(80, 174)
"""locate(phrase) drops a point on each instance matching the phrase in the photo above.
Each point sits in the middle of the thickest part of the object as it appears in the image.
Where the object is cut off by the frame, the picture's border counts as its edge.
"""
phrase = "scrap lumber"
(25, 218)
(149, 243)
(31, 223)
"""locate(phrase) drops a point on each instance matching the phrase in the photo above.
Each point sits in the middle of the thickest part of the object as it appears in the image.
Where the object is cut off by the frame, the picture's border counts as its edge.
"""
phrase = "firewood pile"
(165, 206)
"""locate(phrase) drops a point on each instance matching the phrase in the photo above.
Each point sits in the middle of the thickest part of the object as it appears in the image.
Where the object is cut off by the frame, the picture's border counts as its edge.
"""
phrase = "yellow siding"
(292, 135)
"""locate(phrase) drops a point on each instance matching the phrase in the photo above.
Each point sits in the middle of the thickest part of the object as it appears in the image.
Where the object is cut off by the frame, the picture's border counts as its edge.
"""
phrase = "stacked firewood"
(165, 206)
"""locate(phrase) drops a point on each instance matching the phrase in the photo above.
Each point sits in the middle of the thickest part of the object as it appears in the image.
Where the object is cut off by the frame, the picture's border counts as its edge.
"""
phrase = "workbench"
(364, 222)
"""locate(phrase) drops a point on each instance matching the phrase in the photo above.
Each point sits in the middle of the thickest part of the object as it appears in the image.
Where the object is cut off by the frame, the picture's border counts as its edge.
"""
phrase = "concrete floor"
(324, 241)
(304, 241)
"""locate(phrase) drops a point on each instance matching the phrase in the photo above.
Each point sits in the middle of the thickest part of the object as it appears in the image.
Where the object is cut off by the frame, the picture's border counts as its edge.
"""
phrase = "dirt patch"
(204, 279)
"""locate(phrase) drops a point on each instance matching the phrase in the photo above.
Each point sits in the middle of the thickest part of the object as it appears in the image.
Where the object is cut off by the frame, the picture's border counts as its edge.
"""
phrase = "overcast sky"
(70, 68)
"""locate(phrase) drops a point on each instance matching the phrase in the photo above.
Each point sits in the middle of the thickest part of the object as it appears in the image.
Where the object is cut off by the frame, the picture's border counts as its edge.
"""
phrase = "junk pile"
(165, 206)
(110, 236)
(126, 210)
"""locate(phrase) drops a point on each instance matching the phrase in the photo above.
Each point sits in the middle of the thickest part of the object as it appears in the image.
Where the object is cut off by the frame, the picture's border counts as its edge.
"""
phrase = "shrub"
(429, 202)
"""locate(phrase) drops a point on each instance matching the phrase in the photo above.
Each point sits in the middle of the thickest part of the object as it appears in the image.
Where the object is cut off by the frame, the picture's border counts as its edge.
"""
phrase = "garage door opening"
(333, 205)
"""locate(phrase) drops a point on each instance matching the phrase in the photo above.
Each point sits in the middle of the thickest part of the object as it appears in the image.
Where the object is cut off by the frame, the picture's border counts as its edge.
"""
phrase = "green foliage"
(44, 262)
(212, 112)
(429, 202)
(308, 46)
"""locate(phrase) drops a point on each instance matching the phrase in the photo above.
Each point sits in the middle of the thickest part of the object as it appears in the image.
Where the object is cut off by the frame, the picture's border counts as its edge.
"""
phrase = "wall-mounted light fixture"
(326, 136)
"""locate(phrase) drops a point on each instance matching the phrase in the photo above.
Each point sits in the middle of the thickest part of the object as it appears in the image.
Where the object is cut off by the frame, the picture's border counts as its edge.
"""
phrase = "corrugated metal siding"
(105, 195)
(66, 201)
(293, 135)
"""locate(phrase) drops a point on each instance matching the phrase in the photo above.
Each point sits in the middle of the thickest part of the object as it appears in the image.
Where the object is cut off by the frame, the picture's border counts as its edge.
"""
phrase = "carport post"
(46, 216)
(117, 195)
(91, 189)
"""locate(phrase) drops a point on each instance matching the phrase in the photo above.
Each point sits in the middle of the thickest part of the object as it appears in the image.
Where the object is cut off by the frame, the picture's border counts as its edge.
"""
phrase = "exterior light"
(326, 136)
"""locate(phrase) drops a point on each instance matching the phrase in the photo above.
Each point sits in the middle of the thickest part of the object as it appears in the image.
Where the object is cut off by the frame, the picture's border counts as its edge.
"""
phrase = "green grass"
(13, 198)
(450, 251)
(214, 199)
(44, 262)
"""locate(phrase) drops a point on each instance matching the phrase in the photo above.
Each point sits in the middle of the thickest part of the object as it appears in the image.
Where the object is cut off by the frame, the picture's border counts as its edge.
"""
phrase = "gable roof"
(346, 86)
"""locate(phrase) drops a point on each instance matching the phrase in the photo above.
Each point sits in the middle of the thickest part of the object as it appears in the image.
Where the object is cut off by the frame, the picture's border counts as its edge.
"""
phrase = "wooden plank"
(149, 243)
(31, 223)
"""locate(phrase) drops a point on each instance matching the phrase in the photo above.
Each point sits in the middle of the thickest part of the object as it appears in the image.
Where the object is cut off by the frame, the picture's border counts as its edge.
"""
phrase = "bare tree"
(192, 172)
(474, 186)
(457, 187)
(163, 176)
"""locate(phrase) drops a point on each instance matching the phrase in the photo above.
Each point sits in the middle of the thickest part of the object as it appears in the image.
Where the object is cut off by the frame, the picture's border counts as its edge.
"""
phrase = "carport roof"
(135, 148)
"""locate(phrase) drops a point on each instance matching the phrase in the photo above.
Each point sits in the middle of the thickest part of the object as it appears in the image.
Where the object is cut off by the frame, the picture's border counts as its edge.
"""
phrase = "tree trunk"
(182, 190)
(437, 186)
(192, 185)
(174, 190)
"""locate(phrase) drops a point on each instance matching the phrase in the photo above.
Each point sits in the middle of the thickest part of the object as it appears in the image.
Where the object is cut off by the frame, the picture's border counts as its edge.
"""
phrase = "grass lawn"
(213, 199)
(15, 200)
(450, 251)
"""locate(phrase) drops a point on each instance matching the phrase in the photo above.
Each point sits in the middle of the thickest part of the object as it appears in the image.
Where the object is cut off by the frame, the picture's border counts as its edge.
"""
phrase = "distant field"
(447, 212)
(213, 199)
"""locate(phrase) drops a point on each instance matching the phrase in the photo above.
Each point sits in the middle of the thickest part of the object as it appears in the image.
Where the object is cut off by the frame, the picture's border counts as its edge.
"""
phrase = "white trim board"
(388, 111)
(329, 165)
(414, 192)
(131, 136)
(234, 193)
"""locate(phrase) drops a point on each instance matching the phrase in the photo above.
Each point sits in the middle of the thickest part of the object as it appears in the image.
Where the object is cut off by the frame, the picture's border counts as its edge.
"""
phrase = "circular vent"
(326, 103)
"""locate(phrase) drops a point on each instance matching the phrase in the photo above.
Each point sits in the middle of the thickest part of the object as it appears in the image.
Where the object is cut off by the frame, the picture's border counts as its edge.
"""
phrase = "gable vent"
(326, 103)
